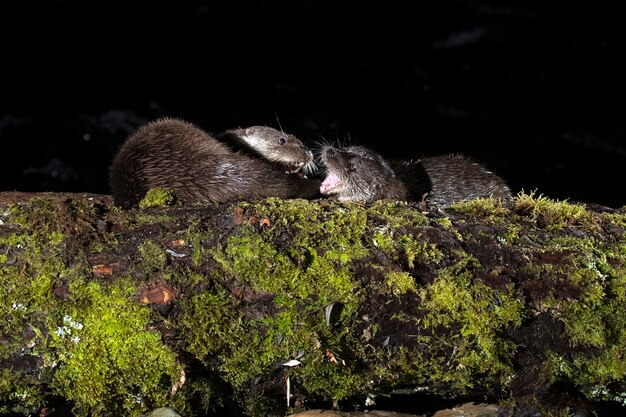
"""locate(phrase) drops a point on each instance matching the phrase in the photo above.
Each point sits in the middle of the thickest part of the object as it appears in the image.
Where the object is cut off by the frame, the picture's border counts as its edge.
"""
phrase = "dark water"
(533, 89)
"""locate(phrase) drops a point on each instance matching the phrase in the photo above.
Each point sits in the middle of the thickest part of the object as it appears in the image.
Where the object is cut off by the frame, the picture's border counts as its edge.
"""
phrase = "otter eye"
(352, 166)
(282, 140)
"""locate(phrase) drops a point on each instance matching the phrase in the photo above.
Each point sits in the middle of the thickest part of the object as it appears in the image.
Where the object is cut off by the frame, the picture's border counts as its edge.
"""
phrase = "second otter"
(358, 174)
(179, 156)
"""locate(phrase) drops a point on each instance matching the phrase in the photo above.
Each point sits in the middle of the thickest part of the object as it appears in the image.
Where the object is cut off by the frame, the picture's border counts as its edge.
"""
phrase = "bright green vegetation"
(157, 197)
(366, 299)
(95, 348)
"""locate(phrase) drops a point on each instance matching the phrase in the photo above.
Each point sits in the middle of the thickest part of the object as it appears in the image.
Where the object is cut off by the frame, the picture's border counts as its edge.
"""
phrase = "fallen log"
(268, 308)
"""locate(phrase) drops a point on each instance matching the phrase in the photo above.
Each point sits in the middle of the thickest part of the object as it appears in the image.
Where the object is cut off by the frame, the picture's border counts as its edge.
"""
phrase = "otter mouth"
(303, 168)
(292, 168)
(331, 184)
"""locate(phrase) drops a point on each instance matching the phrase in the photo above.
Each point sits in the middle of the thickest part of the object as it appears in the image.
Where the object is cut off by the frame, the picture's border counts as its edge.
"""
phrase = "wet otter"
(177, 155)
(356, 173)
(452, 178)
(278, 147)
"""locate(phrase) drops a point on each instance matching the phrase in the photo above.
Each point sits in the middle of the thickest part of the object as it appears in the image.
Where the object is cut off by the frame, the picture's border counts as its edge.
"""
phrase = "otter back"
(456, 178)
(177, 155)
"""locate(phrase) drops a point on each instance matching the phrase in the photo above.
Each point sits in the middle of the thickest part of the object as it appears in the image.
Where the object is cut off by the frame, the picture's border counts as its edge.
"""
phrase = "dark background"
(535, 90)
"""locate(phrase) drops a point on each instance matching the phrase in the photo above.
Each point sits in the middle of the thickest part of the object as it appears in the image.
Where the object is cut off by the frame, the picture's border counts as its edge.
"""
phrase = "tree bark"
(231, 305)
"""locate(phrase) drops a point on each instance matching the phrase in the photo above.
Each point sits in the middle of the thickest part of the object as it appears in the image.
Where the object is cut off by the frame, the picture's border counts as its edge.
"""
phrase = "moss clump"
(397, 214)
(300, 294)
(475, 315)
(208, 321)
(157, 197)
(154, 258)
(109, 361)
(400, 283)
(487, 209)
(194, 235)
(552, 214)
(91, 346)
(307, 275)
(20, 393)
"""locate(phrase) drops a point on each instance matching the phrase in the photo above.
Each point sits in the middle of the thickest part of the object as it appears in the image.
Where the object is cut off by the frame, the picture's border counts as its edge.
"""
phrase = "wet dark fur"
(183, 158)
(457, 178)
(438, 180)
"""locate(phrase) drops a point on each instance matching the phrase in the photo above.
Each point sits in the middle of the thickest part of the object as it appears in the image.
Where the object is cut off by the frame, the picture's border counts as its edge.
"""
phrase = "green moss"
(445, 222)
(157, 197)
(482, 313)
(23, 399)
(552, 214)
(207, 321)
(194, 236)
(413, 248)
(301, 293)
(584, 324)
(308, 275)
(153, 257)
(313, 280)
(109, 360)
(334, 380)
(314, 261)
(27, 306)
(400, 283)
(40, 227)
(339, 231)
(142, 218)
(304, 277)
(96, 349)
(397, 214)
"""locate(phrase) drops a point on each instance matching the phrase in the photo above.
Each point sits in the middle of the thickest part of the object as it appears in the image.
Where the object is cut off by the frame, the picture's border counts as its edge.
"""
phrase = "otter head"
(278, 147)
(358, 174)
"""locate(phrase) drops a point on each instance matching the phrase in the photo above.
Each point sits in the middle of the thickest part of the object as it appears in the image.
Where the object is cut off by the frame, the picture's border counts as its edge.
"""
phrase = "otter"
(455, 178)
(280, 148)
(355, 173)
(175, 154)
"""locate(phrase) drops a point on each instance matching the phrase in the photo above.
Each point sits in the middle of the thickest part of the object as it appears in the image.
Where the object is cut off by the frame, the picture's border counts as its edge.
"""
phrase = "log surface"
(232, 306)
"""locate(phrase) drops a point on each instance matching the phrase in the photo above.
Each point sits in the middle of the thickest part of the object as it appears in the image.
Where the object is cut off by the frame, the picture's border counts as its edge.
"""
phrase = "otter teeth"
(330, 184)
(292, 168)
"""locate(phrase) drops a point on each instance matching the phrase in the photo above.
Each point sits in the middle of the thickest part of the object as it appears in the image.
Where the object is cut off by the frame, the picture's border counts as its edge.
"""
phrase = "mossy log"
(197, 307)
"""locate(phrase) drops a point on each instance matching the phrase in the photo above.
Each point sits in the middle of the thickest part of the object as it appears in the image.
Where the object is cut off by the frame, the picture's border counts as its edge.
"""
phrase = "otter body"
(358, 174)
(456, 178)
(179, 156)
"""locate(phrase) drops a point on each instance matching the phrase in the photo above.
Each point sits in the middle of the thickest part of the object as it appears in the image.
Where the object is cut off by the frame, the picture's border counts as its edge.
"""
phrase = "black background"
(535, 90)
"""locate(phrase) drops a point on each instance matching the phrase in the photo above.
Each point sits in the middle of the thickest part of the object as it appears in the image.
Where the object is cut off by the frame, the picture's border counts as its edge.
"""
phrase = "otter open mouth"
(302, 168)
(292, 168)
(331, 184)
